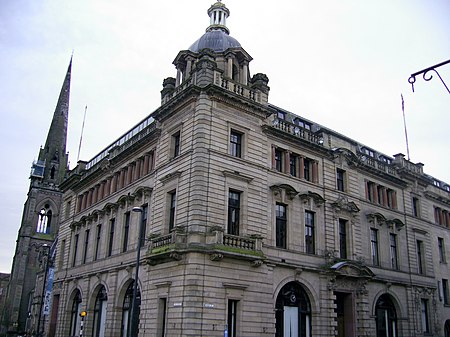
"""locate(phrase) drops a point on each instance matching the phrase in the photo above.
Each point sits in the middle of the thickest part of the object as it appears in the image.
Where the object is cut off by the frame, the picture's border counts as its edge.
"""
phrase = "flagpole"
(404, 124)
(81, 136)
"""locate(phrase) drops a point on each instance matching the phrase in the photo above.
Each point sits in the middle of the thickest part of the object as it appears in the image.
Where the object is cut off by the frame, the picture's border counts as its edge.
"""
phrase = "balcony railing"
(297, 131)
(235, 87)
(211, 240)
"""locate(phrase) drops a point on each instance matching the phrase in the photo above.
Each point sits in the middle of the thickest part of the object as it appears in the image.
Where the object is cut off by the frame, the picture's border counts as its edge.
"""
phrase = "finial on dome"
(218, 14)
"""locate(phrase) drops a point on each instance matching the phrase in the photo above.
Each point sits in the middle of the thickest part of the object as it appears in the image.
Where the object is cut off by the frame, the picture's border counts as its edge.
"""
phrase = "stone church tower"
(40, 218)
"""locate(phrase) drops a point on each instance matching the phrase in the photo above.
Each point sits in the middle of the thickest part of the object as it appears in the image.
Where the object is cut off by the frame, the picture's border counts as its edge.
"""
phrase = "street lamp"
(134, 307)
(44, 247)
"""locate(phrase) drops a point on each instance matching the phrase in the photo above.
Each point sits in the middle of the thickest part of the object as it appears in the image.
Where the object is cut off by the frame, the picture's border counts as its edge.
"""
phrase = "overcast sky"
(342, 64)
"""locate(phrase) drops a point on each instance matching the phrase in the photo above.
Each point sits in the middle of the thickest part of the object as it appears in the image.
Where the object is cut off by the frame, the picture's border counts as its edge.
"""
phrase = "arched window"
(98, 328)
(52, 173)
(126, 310)
(75, 314)
(293, 312)
(447, 328)
(44, 220)
(386, 317)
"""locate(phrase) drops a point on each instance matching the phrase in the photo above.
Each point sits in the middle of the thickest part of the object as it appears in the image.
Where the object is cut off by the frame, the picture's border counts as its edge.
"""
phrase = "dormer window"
(302, 124)
(368, 152)
(385, 159)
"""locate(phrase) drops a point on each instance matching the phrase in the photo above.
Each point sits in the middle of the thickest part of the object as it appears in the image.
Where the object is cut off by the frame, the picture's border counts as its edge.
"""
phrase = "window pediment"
(342, 204)
(309, 195)
(281, 189)
(352, 269)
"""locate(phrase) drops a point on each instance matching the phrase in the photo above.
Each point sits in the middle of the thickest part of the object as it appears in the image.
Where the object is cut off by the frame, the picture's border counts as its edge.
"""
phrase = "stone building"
(256, 221)
(40, 220)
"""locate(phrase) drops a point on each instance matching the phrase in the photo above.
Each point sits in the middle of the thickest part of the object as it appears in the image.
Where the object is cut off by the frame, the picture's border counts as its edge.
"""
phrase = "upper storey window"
(385, 159)
(302, 123)
(176, 144)
(44, 220)
(368, 152)
(295, 165)
(235, 144)
(281, 115)
(381, 195)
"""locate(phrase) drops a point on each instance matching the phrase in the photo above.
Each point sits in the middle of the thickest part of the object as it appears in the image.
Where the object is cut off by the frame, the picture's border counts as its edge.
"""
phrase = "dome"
(216, 39)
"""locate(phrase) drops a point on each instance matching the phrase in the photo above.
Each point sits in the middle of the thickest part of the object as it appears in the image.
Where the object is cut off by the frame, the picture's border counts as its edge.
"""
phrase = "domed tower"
(224, 58)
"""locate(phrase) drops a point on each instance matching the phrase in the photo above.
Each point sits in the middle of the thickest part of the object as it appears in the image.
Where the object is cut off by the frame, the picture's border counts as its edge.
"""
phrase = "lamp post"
(44, 247)
(134, 307)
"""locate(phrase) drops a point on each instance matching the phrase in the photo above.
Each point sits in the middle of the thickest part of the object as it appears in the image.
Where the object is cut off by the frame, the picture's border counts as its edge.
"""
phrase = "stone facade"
(256, 221)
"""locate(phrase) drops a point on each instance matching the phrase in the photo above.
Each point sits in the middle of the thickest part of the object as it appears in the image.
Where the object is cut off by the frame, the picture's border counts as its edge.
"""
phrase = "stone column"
(230, 67)
(302, 167)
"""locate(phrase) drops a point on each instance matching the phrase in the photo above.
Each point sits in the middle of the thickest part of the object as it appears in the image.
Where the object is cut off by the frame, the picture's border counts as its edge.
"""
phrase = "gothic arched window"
(386, 317)
(293, 312)
(44, 220)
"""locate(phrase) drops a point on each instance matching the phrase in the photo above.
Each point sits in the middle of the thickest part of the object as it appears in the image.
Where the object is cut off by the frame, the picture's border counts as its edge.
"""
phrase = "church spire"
(52, 161)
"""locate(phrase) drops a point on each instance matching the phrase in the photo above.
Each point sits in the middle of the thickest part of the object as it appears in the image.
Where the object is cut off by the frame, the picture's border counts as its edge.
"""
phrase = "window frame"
(112, 225)
(374, 246)
(281, 225)
(340, 180)
(172, 206)
(393, 248)
(236, 143)
(234, 204)
(310, 237)
(343, 246)
(126, 231)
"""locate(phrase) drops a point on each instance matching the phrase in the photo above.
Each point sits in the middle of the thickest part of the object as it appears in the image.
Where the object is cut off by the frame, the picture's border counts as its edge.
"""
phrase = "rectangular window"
(445, 293)
(441, 248)
(172, 209)
(279, 160)
(112, 224)
(281, 115)
(340, 180)
(62, 253)
(393, 249)
(309, 233)
(416, 207)
(419, 247)
(235, 144)
(176, 144)
(86, 245)
(232, 318)
(391, 199)
(143, 226)
(307, 169)
(342, 238)
(67, 211)
(126, 231)
(425, 318)
(234, 210)
(75, 250)
(162, 309)
(374, 246)
(97, 241)
(293, 165)
(380, 194)
(281, 222)
(370, 191)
